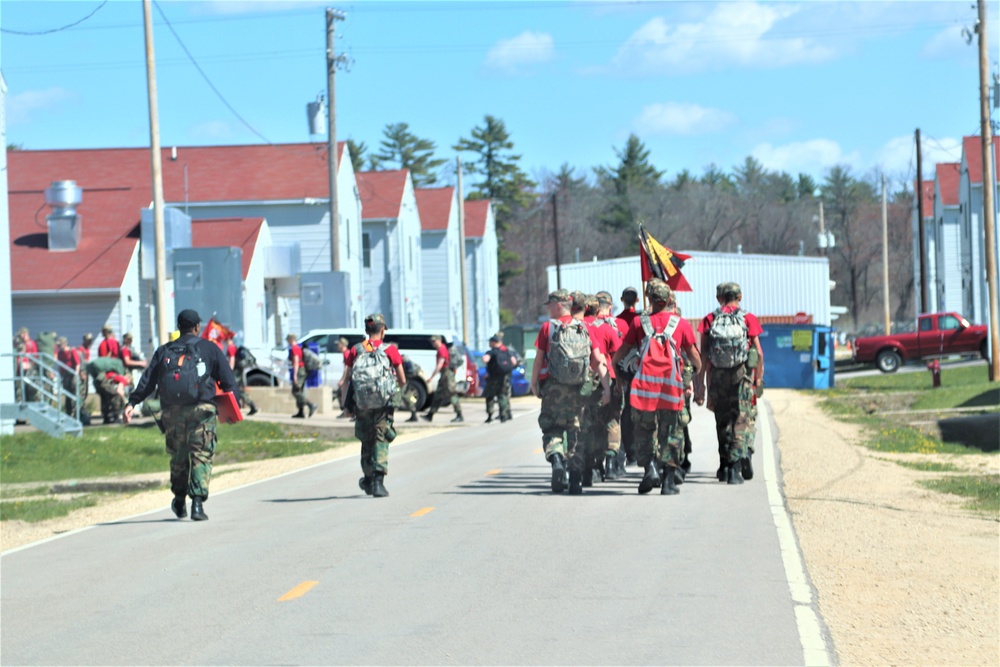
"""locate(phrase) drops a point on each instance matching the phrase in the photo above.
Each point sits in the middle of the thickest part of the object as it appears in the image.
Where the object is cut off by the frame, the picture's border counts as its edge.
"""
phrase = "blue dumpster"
(797, 356)
(315, 378)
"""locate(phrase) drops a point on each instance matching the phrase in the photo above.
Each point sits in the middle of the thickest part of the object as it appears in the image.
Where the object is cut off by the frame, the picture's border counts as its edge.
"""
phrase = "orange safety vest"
(658, 384)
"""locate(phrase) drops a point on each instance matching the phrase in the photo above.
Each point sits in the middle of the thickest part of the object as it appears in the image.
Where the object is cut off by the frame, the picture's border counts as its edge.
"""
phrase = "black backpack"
(501, 362)
(182, 374)
(245, 358)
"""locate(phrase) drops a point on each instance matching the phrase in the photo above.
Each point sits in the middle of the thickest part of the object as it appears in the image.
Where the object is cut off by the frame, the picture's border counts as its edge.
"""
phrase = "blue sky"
(800, 86)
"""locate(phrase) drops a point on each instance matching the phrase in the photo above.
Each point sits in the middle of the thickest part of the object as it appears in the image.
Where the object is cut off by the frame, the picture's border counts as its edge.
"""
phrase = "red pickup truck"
(937, 335)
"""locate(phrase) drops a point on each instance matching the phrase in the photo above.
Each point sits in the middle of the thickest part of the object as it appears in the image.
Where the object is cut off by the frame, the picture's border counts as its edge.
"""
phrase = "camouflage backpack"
(728, 342)
(373, 377)
(569, 352)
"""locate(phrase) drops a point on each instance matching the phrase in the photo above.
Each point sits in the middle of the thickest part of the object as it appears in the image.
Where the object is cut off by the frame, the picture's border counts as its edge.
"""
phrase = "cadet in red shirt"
(109, 346)
(601, 427)
(298, 373)
(656, 401)
(731, 390)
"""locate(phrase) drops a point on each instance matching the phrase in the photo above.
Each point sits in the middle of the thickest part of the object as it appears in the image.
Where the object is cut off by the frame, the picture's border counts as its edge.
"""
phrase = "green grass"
(115, 451)
(7, 492)
(970, 379)
(929, 466)
(887, 437)
(40, 510)
(984, 491)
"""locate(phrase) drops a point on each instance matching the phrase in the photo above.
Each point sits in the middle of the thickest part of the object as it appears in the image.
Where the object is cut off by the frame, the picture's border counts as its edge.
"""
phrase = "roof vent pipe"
(64, 223)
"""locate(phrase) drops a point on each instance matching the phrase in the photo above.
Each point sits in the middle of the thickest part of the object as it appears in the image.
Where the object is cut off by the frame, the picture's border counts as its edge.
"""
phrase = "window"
(948, 323)
(925, 324)
(366, 250)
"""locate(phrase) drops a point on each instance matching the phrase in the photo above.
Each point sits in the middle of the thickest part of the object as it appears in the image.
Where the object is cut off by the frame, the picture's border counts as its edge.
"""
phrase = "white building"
(948, 232)
(481, 272)
(440, 258)
(975, 299)
(390, 248)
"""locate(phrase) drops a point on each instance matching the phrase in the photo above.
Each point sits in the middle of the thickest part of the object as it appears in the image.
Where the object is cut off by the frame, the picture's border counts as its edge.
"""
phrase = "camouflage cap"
(728, 288)
(559, 296)
(604, 299)
(592, 304)
(375, 318)
(658, 291)
(579, 299)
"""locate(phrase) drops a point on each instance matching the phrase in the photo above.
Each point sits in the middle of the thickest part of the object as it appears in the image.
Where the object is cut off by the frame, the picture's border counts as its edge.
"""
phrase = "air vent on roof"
(64, 222)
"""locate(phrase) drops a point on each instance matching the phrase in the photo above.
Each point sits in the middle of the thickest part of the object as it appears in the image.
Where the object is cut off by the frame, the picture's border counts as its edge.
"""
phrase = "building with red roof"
(926, 189)
(975, 299)
(440, 258)
(948, 235)
(482, 271)
(390, 248)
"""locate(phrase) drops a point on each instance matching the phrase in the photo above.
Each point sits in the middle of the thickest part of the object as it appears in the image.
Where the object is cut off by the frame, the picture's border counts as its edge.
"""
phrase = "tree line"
(597, 210)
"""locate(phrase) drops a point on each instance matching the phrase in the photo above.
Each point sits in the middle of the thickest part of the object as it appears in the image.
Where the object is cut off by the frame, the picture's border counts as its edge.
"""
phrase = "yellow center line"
(423, 511)
(298, 591)
(495, 472)
(538, 451)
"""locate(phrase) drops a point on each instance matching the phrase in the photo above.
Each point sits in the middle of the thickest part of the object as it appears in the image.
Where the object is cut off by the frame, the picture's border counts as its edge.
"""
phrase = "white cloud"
(733, 34)
(233, 7)
(810, 157)
(211, 130)
(899, 155)
(949, 43)
(681, 118)
(22, 108)
(528, 48)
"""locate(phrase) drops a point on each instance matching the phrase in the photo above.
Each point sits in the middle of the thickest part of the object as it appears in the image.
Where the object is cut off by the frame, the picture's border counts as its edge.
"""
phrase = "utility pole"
(822, 231)
(332, 16)
(555, 236)
(159, 238)
(461, 253)
(920, 228)
(885, 259)
(989, 212)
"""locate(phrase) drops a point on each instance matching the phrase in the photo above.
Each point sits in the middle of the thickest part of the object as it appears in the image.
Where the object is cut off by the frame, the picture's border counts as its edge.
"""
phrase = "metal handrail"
(50, 371)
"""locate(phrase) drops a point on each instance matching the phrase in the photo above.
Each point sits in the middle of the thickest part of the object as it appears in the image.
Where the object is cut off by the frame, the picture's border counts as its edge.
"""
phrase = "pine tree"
(357, 150)
(404, 150)
(633, 179)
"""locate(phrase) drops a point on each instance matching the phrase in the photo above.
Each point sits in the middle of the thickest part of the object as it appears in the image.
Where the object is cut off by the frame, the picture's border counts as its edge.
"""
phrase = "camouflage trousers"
(190, 431)
(374, 429)
(299, 390)
(626, 428)
(446, 393)
(600, 426)
(559, 420)
(241, 392)
(70, 383)
(112, 403)
(730, 391)
(498, 391)
(658, 437)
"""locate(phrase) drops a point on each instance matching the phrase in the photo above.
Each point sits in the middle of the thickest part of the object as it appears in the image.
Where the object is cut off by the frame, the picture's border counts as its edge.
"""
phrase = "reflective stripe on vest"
(658, 392)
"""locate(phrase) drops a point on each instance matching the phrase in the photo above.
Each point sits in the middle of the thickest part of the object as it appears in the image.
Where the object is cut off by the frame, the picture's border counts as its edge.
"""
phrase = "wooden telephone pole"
(989, 183)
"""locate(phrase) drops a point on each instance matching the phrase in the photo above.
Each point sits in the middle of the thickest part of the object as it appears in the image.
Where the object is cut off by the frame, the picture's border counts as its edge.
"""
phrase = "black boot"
(734, 474)
(197, 511)
(678, 474)
(458, 418)
(610, 467)
(723, 472)
(651, 478)
(366, 485)
(747, 467)
(413, 417)
(378, 488)
(669, 487)
(489, 418)
(576, 482)
(253, 410)
(429, 416)
(558, 473)
(312, 409)
(299, 415)
(179, 506)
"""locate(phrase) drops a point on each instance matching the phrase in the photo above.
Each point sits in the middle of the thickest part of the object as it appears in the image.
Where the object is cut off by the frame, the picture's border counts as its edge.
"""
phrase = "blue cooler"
(797, 356)
(315, 378)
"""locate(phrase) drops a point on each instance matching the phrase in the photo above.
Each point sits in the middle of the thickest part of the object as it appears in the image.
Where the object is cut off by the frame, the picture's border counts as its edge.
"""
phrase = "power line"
(205, 76)
(48, 32)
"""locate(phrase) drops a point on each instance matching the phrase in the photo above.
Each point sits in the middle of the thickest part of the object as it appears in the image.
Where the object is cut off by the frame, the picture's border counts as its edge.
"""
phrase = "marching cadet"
(566, 353)
(657, 395)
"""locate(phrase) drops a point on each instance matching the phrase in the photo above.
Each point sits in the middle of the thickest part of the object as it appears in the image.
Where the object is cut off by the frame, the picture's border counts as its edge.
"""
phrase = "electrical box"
(326, 300)
(210, 281)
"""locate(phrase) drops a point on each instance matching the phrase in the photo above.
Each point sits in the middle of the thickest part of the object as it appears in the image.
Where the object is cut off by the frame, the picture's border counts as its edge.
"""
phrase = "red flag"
(217, 333)
(666, 263)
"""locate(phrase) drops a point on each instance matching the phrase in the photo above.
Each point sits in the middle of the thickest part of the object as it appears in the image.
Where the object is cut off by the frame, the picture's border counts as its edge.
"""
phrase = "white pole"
(885, 258)
(159, 240)
(461, 254)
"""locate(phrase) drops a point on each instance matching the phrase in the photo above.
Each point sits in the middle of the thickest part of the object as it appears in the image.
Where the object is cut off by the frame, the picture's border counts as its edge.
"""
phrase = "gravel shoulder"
(904, 575)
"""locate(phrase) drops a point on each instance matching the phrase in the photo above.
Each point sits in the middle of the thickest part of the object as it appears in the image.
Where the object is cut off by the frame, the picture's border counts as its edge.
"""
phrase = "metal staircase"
(43, 385)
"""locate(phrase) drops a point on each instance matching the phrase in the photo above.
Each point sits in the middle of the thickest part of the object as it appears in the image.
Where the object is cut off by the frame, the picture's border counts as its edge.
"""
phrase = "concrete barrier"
(279, 400)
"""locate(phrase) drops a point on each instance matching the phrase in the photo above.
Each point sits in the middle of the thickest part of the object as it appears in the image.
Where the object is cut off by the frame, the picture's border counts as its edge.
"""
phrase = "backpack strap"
(647, 325)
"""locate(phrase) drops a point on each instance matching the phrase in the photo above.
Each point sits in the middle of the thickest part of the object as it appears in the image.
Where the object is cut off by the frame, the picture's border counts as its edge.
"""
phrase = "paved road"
(471, 560)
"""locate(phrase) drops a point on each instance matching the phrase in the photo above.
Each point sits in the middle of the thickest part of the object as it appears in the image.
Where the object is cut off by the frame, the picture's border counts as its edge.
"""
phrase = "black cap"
(188, 319)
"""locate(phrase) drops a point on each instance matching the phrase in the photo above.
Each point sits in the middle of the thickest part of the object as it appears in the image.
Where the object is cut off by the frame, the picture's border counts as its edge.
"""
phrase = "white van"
(414, 344)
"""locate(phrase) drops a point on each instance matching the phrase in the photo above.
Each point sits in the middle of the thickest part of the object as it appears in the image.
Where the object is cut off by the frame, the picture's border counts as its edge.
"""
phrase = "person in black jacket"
(189, 413)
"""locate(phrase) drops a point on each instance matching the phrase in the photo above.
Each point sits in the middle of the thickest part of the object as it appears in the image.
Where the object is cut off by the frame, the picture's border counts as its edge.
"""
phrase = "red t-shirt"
(84, 352)
(753, 325)
(108, 348)
(625, 320)
(683, 334)
(231, 351)
(607, 338)
(295, 352)
(443, 353)
(70, 357)
(542, 343)
(395, 358)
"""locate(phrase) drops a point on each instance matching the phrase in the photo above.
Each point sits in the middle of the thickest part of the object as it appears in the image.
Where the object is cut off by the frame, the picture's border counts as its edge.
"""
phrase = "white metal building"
(481, 272)
(440, 258)
(948, 231)
(774, 286)
(6, 328)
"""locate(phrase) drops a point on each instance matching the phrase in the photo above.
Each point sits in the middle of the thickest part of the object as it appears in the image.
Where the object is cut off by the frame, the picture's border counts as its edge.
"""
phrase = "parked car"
(413, 343)
(520, 384)
(937, 335)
